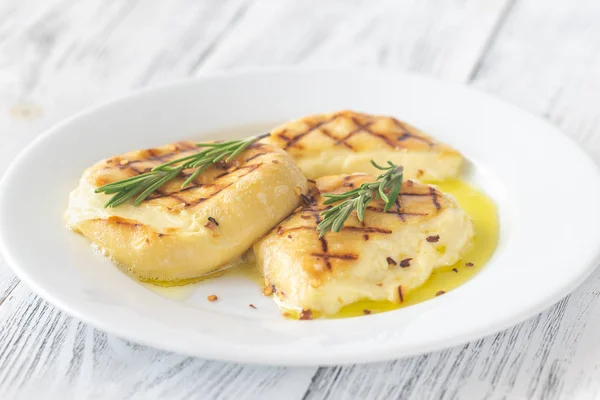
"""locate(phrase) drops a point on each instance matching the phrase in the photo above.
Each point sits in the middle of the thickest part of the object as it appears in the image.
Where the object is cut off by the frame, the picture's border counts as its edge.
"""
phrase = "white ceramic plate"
(546, 189)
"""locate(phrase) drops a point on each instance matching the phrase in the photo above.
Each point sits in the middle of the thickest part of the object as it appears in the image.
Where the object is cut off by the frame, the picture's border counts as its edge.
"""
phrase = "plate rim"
(31, 282)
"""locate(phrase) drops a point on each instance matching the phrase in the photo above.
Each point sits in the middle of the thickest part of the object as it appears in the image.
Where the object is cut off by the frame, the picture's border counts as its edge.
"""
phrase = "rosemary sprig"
(387, 187)
(143, 185)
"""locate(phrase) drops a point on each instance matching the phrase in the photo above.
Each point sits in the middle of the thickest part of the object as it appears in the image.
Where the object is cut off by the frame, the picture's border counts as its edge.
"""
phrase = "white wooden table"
(58, 57)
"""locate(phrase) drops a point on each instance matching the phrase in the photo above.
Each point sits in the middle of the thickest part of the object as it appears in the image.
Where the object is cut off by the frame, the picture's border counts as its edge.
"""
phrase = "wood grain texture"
(63, 358)
(446, 38)
(58, 57)
(551, 356)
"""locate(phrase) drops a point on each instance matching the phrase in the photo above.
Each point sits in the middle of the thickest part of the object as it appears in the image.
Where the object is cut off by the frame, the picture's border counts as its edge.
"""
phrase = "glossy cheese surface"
(484, 215)
(346, 141)
(383, 258)
(169, 237)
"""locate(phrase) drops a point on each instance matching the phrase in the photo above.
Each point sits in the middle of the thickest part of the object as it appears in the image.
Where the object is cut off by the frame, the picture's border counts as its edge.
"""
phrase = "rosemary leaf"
(387, 187)
(141, 186)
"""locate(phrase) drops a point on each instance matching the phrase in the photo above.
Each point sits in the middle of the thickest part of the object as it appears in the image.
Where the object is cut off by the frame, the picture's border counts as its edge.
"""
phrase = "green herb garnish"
(387, 187)
(141, 186)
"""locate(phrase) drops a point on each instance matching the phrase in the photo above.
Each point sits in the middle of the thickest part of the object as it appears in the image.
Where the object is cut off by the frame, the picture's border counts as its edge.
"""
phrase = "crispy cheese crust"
(178, 234)
(344, 142)
(382, 258)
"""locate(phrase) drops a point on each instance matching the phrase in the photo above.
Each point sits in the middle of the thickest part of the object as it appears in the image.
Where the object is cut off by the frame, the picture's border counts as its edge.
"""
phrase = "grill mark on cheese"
(178, 198)
(136, 163)
(254, 156)
(251, 167)
(322, 240)
(434, 198)
(160, 158)
(347, 257)
(121, 221)
(156, 156)
(407, 134)
(160, 194)
(397, 203)
(386, 139)
(359, 128)
(416, 194)
(136, 170)
(366, 229)
(391, 131)
(151, 152)
(294, 140)
(218, 188)
(397, 212)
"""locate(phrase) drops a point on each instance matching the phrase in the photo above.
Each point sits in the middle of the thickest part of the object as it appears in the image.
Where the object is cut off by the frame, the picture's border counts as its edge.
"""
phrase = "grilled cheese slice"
(383, 258)
(346, 141)
(178, 234)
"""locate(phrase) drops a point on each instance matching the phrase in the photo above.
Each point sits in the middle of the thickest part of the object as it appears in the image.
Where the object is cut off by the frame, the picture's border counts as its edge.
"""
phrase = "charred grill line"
(220, 188)
(152, 152)
(348, 256)
(399, 213)
(323, 241)
(434, 198)
(119, 221)
(386, 139)
(336, 139)
(137, 170)
(181, 147)
(299, 136)
(406, 133)
(178, 198)
(416, 194)
(365, 230)
(253, 167)
(397, 202)
(158, 194)
(359, 128)
(254, 156)
(316, 210)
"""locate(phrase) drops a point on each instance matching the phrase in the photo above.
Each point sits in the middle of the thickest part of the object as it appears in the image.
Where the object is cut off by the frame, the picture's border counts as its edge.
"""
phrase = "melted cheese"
(364, 260)
(484, 216)
(86, 205)
(172, 236)
(344, 142)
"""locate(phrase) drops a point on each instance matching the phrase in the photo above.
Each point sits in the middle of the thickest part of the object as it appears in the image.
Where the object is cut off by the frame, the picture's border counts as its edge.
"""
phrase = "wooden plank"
(60, 357)
(444, 38)
(545, 59)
